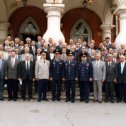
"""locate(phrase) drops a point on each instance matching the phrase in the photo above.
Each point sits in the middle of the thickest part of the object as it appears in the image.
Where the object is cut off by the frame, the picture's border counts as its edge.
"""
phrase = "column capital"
(53, 7)
(107, 26)
(54, 1)
(4, 25)
(120, 10)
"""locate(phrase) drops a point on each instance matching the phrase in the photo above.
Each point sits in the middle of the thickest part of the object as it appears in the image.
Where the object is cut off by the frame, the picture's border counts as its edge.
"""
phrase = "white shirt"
(12, 61)
(51, 56)
(122, 66)
(97, 62)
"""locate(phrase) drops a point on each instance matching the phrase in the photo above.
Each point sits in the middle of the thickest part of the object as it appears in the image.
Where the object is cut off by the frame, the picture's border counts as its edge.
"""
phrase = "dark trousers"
(12, 85)
(42, 88)
(26, 86)
(109, 90)
(70, 87)
(122, 92)
(1, 87)
(84, 90)
(56, 88)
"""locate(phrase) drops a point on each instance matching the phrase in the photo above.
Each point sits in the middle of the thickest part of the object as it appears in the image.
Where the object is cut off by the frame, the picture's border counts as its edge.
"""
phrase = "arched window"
(29, 28)
(81, 30)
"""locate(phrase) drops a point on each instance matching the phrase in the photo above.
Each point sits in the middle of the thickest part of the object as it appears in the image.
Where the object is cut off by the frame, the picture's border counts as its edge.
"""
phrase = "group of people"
(44, 62)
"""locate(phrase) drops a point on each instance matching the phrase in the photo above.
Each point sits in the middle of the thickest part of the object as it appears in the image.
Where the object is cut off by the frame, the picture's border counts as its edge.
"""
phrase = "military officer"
(56, 75)
(42, 75)
(70, 75)
(85, 74)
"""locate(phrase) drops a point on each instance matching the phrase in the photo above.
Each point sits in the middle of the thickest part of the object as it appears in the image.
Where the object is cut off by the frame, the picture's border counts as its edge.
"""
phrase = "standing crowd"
(40, 63)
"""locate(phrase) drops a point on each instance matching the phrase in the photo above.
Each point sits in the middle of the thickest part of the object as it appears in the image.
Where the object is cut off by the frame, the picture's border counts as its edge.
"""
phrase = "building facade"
(64, 19)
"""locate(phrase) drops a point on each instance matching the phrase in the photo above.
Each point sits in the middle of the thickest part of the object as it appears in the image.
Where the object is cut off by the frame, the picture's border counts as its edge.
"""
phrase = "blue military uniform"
(70, 73)
(85, 71)
(56, 73)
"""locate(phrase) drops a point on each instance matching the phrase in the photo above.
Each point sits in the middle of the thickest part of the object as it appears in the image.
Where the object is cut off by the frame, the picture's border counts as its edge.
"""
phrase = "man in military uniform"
(85, 74)
(70, 75)
(56, 75)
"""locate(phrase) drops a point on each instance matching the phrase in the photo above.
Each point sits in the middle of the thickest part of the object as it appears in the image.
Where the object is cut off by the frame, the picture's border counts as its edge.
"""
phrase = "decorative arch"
(90, 17)
(81, 30)
(23, 14)
(29, 26)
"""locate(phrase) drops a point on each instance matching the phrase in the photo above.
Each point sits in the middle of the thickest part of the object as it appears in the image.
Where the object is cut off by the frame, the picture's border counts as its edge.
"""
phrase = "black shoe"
(86, 101)
(118, 101)
(81, 100)
(112, 101)
(1, 99)
(72, 101)
(53, 99)
(45, 99)
(39, 99)
(106, 100)
(67, 99)
(100, 101)
(9, 99)
(14, 99)
(58, 99)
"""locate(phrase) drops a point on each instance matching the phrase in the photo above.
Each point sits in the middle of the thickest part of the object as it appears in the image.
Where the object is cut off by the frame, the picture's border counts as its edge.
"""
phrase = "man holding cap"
(42, 75)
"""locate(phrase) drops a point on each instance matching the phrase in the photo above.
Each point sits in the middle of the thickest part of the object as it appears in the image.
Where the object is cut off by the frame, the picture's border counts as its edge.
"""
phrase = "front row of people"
(57, 71)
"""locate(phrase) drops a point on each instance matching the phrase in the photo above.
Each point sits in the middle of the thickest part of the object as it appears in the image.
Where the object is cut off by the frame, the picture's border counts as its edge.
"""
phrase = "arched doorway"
(81, 30)
(29, 28)
(25, 17)
(89, 18)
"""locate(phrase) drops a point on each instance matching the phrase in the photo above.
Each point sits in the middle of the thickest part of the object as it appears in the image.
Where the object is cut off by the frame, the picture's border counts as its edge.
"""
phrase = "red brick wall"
(21, 14)
(70, 18)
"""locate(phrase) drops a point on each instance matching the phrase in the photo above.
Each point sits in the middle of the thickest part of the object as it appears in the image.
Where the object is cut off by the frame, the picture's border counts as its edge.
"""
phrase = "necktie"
(33, 49)
(12, 62)
(97, 63)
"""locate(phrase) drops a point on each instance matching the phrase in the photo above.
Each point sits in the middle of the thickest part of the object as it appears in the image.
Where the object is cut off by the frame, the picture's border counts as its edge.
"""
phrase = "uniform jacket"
(70, 70)
(42, 69)
(56, 69)
(85, 71)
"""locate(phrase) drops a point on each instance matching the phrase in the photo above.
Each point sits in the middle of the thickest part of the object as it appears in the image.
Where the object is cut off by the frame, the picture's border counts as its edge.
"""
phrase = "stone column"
(54, 11)
(3, 31)
(106, 30)
(121, 37)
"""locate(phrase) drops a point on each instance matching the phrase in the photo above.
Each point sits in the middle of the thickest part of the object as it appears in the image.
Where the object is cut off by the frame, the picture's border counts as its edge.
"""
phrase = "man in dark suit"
(85, 74)
(108, 43)
(110, 78)
(56, 75)
(70, 76)
(27, 75)
(11, 75)
(33, 48)
(121, 79)
(2, 64)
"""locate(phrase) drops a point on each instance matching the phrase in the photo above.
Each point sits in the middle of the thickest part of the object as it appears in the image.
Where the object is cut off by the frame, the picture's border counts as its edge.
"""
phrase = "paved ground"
(61, 114)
